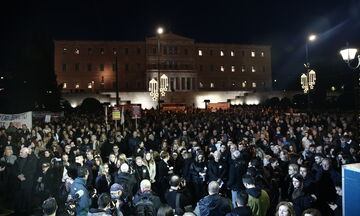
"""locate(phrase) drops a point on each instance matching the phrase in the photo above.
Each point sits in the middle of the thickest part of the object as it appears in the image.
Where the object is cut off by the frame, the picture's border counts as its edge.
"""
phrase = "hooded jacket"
(84, 202)
(259, 201)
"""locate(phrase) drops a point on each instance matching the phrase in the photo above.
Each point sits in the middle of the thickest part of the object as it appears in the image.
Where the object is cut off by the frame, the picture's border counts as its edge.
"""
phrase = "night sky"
(28, 28)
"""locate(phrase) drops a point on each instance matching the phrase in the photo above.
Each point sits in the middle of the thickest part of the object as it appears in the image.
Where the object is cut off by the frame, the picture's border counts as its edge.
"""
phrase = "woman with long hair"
(285, 209)
(300, 199)
(149, 162)
(103, 180)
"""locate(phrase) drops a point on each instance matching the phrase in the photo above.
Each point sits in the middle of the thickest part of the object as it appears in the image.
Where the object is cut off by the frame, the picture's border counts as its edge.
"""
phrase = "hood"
(254, 192)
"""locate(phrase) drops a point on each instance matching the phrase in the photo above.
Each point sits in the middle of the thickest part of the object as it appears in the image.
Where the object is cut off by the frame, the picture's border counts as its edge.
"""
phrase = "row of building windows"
(243, 84)
(91, 85)
(168, 65)
(232, 53)
(166, 50)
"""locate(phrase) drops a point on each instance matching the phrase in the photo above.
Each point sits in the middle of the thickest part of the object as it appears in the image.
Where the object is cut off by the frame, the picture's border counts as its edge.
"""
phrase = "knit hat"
(116, 187)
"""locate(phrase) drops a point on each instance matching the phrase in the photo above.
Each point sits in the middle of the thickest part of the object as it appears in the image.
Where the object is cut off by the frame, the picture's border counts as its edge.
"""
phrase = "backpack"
(145, 207)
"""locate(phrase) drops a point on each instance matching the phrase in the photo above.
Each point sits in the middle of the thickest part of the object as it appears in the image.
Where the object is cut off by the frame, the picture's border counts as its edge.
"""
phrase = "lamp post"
(349, 54)
(308, 79)
(158, 87)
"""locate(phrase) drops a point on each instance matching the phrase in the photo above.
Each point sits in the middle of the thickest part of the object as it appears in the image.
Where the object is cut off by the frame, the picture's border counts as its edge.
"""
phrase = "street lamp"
(308, 79)
(158, 87)
(348, 54)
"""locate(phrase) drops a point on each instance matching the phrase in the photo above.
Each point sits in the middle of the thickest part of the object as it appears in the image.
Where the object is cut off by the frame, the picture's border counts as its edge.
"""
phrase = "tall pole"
(117, 82)
(158, 79)
(307, 73)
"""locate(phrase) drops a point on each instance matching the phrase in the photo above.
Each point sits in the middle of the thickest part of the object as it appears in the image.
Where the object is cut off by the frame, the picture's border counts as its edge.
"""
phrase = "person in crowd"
(163, 173)
(198, 176)
(237, 170)
(241, 208)
(104, 206)
(259, 200)
(127, 181)
(217, 169)
(285, 209)
(24, 170)
(79, 191)
(149, 162)
(49, 207)
(140, 171)
(336, 206)
(165, 210)
(103, 180)
(300, 198)
(177, 196)
(214, 203)
(146, 192)
(311, 212)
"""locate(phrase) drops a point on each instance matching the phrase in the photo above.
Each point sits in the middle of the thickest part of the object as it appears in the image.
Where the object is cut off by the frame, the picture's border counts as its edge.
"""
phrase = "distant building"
(192, 68)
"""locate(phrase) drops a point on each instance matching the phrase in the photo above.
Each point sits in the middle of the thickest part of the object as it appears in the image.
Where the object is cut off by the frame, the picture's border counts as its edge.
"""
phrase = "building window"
(182, 83)
(253, 69)
(77, 67)
(200, 53)
(102, 83)
(211, 67)
(262, 54)
(254, 84)
(200, 67)
(222, 69)
(221, 53)
(114, 51)
(242, 52)
(64, 67)
(126, 67)
(77, 51)
(102, 51)
(263, 68)
(64, 51)
(186, 67)
(64, 85)
(90, 84)
(186, 51)
(243, 84)
(233, 68)
(89, 51)
(177, 83)
(188, 83)
(233, 85)
(89, 67)
(232, 53)
(154, 50)
(138, 51)
(77, 85)
(201, 85)
(126, 51)
(211, 53)
(212, 85)
(165, 50)
(101, 67)
(243, 68)
(252, 53)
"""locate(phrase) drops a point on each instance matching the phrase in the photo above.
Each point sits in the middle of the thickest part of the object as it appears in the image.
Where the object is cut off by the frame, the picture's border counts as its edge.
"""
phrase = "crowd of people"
(242, 161)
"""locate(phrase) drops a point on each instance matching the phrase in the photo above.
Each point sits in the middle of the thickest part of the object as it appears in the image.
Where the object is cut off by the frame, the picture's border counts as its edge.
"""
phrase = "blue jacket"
(84, 203)
(213, 205)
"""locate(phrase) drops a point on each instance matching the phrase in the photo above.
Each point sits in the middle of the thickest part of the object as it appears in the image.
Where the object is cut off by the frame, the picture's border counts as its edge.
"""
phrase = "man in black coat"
(177, 197)
(236, 171)
(146, 192)
(241, 209)
(127, 181)
(213, 204)
(24, 170)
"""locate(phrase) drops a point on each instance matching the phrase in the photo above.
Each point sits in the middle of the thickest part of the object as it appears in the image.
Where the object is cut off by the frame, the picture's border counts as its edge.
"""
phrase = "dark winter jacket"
(216, 170)
(213, 205)
(150, 195)
(84, 203)
(241, 211)
(236, 171)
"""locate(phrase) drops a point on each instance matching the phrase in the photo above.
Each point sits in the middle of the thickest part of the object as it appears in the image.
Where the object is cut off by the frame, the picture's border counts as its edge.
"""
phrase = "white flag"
(122, 120)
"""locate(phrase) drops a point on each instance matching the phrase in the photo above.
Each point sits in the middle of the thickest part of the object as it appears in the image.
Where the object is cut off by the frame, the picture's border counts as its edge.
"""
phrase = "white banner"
(17, 119)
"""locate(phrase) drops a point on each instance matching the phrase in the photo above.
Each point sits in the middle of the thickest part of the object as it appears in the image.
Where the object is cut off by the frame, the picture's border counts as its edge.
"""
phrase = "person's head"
(311, 212)
(90, 154)
(165, 210)
(213, 188)
(104, 169)
(241, 198)
(104, 201)
(124, 168)
(49, 206)
(115, 148)
(82, 172)
(174, 182)
(139, 161)
(116, 191)
(8, 151)
(297, 181)
(318, 158)
(338, 189)
(145, 185)
(274, 162)
(24, 152)
(303, 171)
(148, 156)
(326, 163)
(217, 156)
(98, 161)
(293, 169)
(285, 209)
(79, 159)
(164, 156)
(112, 158)
(248, 181)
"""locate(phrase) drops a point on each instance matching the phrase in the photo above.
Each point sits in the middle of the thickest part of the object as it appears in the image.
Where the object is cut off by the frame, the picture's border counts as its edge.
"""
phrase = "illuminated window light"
(242, 68)
(253, 69)
(90, 85)
(262, 54)
(64, 50)
(212, 85)
(254, 84)
(200, 53)
(77, 85)
(201, 84)
(222, 68)
(221, 53)
(64, 85)
(232, 53)
(252, 53)
(243, 84)
(77, 51)
(233, 68)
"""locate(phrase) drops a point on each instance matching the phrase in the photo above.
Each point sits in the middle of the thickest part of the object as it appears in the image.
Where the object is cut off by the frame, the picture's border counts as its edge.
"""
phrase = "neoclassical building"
(193, 69)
